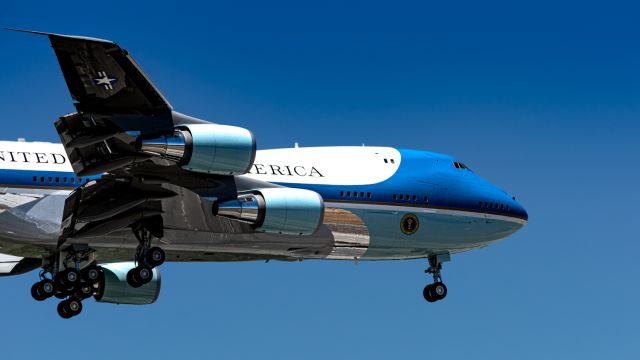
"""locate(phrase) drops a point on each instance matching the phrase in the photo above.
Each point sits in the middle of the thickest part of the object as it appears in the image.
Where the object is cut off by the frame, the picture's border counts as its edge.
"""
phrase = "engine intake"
(116, 290)
(206, 148)
(276, 210)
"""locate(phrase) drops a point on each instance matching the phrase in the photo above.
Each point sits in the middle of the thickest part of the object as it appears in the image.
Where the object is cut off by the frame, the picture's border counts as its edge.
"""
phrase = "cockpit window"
(461, 166)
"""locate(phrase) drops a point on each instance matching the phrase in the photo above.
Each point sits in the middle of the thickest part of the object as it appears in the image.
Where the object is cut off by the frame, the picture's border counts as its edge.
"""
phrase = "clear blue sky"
(541, 98)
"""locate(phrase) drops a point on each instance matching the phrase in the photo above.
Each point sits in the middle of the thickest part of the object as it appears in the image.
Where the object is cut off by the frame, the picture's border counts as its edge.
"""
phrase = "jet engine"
(276, 210)
(116, 290)
(206, 148)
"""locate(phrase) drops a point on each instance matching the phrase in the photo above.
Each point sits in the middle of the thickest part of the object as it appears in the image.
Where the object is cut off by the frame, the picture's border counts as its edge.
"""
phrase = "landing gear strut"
(438, 290)
(147, 257)
(70, 276)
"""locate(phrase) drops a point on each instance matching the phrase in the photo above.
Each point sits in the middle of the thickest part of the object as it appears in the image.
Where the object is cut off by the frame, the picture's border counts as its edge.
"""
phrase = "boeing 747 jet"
(134, 183)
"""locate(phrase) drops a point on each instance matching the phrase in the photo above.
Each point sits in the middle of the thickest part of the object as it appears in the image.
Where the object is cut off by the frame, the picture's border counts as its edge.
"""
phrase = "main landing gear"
(438, 290)
(71, 277)
(147, 257)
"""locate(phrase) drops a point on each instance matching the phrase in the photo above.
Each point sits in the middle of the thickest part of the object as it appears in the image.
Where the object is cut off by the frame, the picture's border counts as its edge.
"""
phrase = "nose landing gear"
(438, 290)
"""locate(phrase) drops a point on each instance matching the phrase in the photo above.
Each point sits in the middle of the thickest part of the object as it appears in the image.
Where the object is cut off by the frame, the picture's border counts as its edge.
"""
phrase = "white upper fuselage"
(370, 194)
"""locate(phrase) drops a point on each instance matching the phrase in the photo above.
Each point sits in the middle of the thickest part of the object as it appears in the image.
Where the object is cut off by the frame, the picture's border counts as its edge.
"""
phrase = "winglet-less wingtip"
(60, 35)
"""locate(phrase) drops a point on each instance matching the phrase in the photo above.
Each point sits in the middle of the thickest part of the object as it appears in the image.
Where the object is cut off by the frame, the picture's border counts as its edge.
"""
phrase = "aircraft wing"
(126, 132)
(104, 78)
(154, 168)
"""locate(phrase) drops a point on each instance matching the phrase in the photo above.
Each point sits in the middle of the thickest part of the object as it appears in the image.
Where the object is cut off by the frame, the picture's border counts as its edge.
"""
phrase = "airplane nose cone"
(519, 211)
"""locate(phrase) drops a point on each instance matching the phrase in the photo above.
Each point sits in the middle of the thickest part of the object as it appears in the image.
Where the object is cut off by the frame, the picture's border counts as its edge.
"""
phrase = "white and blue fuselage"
(380, 203)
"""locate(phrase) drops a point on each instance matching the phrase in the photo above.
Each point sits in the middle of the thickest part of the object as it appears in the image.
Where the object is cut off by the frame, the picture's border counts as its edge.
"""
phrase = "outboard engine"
(206, 148)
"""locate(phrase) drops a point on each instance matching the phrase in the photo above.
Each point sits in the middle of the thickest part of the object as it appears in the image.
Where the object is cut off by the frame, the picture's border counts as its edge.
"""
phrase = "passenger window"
(341, 193)
(385, 161)
(35, 179)
(395, 197)
(415, 198)
(426, 198)
(348, 193)
(73, 180)
(401, 197)
(41, 178)
(369, 195)
(50, 179)
(355, 194)
(362, 194)
(57, 179)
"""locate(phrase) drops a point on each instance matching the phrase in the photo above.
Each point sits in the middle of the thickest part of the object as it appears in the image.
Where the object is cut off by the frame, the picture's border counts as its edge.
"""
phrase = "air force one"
(134, 184)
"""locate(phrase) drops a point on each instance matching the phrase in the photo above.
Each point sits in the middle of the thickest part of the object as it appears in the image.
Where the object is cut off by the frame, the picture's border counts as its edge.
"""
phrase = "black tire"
(132, 280)
(143, 274)
(69, 277)
(63, 311)
(74, 306)
(155, 257)
(47, 288)
(37, 293)
(60, 294)
(92, 274)
(438, 290)
(84, 290)
(426, 292)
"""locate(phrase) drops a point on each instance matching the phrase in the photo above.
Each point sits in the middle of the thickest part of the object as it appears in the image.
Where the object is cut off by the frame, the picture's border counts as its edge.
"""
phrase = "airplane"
(135, 183)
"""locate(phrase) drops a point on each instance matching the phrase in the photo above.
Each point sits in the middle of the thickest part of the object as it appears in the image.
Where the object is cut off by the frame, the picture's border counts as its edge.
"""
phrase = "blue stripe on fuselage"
(42, 179)
(427, 179)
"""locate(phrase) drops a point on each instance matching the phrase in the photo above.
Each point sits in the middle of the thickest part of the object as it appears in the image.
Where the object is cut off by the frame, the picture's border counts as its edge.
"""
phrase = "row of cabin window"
(57, 179)
(491, 205)
(386, 161)
(355, 194)
(409, 197)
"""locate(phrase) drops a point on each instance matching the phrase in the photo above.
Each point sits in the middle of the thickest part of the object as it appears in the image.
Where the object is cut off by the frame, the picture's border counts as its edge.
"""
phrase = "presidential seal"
(409, 224)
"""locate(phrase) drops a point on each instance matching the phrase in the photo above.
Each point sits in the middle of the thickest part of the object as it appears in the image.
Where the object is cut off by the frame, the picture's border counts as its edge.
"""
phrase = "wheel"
(37, 293)
(428, 294)
(60, 294)
(155, 257)
(143, 274)
(74, 306)
(69, 277)
(132, 280)
(84, 290)
(47, 288)
(63, 311)
(438, 290)
(92, 274)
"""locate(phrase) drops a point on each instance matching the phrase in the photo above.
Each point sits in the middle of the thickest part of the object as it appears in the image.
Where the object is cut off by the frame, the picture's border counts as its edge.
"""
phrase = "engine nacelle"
(116, 290)
(206, 148)
(276, 210)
